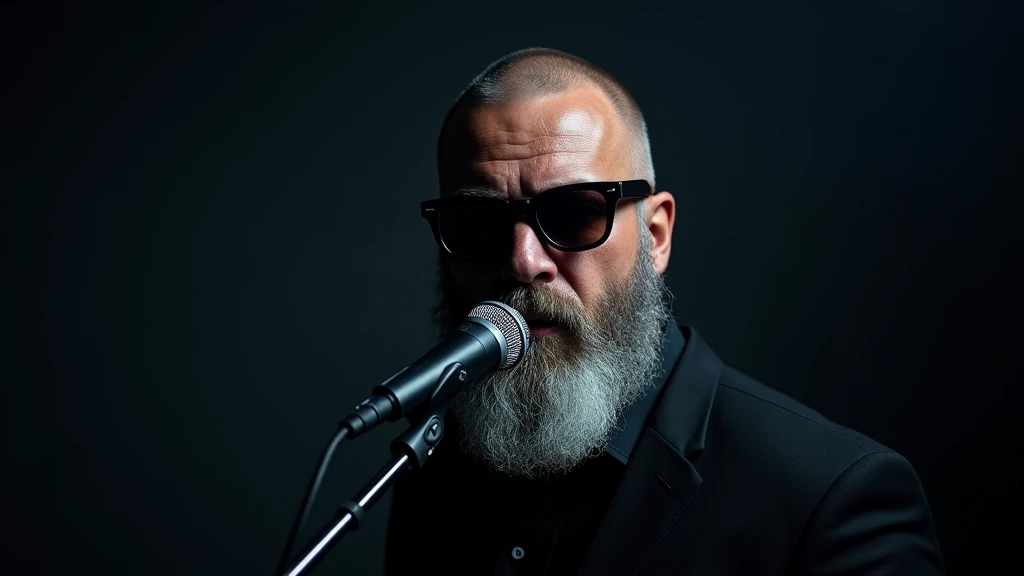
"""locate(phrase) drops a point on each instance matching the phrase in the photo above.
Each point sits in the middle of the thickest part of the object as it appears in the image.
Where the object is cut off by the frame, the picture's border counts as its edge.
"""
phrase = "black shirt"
(490, 523)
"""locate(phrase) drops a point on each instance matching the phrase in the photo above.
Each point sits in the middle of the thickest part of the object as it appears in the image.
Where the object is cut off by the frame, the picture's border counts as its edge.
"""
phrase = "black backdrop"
(214, 248)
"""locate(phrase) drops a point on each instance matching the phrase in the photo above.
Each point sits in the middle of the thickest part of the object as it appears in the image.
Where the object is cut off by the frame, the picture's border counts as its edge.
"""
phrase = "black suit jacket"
(731, 477)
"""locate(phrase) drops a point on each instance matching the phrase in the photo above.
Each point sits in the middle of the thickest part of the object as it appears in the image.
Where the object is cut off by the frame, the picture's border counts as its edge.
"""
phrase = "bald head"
(536, 73)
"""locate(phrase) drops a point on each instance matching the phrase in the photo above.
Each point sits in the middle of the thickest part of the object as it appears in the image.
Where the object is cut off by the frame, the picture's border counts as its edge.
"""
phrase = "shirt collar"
(632, 421)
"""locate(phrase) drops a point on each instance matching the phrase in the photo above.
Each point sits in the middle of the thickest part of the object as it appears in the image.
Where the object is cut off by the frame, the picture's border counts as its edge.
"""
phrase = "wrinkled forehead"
(526, 146)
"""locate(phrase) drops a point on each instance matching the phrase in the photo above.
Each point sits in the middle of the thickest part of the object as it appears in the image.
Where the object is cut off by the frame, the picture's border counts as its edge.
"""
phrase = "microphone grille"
(512, 325)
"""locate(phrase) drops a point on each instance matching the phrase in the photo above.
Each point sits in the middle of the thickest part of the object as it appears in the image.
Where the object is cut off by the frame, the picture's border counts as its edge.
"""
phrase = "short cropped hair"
(535, 72)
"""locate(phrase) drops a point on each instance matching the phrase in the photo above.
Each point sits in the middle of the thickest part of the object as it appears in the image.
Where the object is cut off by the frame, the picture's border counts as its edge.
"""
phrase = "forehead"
(526, 146)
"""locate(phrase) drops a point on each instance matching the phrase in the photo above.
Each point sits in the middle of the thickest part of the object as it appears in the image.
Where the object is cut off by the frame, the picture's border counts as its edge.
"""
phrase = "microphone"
(494, 336)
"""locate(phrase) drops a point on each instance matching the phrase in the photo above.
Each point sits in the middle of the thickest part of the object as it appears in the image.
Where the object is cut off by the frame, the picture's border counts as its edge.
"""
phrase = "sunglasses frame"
(612, 192)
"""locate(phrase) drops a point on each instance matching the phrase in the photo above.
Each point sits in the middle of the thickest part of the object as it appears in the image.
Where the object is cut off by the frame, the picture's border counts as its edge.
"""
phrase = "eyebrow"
(485, 192)
(478, 191)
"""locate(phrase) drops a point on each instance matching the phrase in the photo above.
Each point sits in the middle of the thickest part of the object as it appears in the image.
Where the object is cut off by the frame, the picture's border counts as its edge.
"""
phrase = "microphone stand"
(410, 451)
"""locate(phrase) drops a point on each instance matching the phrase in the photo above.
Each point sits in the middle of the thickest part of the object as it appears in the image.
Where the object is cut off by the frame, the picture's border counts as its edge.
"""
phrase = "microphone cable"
(310, 496)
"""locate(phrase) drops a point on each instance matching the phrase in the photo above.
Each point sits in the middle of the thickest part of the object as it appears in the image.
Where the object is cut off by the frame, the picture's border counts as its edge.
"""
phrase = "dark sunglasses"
(571, 218)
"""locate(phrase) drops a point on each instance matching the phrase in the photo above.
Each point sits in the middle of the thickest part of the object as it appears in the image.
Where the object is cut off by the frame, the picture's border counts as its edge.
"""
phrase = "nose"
(529, 261)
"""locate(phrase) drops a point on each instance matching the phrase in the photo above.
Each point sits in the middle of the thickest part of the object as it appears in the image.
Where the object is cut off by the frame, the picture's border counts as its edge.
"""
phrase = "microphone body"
(494, 336)
(473, 345)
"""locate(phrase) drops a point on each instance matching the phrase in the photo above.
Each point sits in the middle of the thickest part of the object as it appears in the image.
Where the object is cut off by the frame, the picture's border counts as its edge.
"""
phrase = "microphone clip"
(427, 422)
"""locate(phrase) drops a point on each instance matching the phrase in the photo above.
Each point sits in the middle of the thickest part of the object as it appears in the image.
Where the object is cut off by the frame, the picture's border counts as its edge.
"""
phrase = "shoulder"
(854, 501)
(774, 440)
(733, 424)
(760, 409)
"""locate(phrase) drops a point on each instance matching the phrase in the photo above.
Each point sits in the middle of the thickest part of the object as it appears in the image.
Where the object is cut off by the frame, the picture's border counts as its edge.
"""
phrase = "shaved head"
(534, 73)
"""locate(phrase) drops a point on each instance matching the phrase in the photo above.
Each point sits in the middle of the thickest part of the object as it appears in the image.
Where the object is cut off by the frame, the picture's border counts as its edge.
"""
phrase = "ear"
(661, 216)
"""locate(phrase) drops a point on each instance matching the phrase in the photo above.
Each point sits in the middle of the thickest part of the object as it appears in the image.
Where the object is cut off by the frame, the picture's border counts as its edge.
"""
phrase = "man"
(620, 444)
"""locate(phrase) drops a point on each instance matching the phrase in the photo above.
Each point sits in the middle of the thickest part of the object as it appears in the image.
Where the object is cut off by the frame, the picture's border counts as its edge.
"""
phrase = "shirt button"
(518, 553)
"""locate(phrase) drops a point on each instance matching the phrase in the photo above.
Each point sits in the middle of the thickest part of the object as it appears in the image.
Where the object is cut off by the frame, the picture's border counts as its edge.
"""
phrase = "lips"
(542, 326)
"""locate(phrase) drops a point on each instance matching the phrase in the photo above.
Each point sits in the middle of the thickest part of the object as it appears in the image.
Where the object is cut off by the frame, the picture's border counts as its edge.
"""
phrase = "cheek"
(592, 273)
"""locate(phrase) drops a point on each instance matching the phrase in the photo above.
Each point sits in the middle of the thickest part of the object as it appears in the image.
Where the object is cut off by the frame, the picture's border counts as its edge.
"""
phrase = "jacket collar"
(682, 413)
(637, 416)
(660, 479)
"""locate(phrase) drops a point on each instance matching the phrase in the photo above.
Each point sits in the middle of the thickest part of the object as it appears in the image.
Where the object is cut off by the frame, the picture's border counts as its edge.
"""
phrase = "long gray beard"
(563, 401)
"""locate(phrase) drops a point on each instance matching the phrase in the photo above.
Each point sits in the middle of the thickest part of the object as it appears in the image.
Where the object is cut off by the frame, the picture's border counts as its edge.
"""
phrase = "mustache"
(533, 300)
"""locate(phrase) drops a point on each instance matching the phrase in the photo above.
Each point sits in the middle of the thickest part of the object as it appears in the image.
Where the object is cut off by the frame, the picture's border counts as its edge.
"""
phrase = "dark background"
(214, 247)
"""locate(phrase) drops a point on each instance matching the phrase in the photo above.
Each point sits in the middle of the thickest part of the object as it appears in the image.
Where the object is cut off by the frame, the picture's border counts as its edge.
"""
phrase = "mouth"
(541, 326)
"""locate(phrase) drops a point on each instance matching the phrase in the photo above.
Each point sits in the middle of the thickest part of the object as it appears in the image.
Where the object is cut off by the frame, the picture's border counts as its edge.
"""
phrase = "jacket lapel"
(659, 480)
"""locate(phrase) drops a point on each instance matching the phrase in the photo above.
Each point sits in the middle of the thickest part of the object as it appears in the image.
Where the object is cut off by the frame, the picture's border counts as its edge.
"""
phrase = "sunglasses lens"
(472, 227)
(575, 218)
